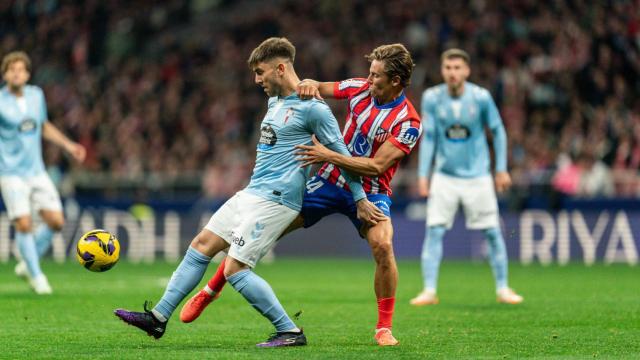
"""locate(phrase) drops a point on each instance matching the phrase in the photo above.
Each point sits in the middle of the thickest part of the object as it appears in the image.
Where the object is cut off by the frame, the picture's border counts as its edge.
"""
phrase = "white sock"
(159, 316)
(208, 290)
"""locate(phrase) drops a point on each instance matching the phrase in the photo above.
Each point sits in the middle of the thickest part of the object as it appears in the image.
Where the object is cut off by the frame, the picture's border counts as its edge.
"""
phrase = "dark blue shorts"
(323, 198)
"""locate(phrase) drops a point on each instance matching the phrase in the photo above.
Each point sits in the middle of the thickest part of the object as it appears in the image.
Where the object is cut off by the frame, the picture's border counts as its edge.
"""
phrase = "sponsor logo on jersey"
(458, 132)
(361, 145)
(27, 125)
(409, 136)
(268, 138)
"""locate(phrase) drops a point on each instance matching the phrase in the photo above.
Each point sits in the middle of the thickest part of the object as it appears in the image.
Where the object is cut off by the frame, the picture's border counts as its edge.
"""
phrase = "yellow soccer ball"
(98, 250)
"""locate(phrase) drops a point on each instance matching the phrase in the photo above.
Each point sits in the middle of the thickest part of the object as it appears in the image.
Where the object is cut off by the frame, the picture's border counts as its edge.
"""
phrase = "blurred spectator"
(160, 94)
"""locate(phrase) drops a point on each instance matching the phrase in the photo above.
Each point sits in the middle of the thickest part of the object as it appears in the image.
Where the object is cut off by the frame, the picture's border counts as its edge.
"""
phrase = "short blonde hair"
(456, 54)
(397, 61)
(15, 56)
(270, 49)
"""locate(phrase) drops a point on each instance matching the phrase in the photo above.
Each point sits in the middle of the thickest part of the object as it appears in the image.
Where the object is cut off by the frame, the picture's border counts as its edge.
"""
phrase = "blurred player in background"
(254, 218)
(25, 185)
(382, 127)
(455, 115)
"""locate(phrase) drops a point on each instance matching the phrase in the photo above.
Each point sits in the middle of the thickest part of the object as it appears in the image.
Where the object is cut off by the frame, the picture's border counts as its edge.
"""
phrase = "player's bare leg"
(380, 238)
(193, 308)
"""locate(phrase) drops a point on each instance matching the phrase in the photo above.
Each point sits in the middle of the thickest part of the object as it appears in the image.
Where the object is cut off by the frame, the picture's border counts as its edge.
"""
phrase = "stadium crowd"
(160, 94)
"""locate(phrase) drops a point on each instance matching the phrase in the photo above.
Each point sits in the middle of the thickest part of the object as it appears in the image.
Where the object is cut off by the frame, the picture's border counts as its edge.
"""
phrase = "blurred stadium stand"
(161, 96)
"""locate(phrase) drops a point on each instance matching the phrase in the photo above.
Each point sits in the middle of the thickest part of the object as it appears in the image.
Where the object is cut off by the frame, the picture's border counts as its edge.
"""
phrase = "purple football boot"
(143, 320)
(280, 339)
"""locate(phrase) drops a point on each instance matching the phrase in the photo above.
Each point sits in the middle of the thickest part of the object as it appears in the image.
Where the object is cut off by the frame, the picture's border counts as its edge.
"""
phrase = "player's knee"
(56, 224)
(382, 249)
(23, 224)
(201, 243)
(233, 266)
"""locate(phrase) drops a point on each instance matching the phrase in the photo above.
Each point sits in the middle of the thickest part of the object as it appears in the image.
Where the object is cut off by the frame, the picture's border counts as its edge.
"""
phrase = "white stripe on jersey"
(351, 83)
(356, 99)
(376, 124)
(327, 171)
(341, 181)
(401, 115)
(362, 118)
(375, 185)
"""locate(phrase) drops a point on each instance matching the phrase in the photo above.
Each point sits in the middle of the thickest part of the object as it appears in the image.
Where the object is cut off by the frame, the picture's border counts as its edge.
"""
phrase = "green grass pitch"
(569, 312)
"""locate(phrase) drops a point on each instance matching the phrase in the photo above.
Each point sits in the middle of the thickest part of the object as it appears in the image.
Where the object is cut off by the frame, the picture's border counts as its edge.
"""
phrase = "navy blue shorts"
(323, 198)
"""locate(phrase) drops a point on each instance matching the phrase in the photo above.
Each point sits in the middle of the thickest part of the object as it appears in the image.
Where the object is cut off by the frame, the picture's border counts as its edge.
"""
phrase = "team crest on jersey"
(268, 138)
(361, 145)
(27, 125)
(381, 135)
(288, 114)
(409, 136)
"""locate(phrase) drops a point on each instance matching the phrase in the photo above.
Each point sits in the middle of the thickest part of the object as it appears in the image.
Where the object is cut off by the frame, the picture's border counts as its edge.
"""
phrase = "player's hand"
(312, 154)
(77, 151)
(308, 89)
(368, 213)
(503, 181)
(423, 186)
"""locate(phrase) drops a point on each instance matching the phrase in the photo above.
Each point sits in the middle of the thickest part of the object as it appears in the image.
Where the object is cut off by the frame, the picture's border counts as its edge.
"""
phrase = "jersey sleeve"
(323, 124)
(347, 88)
(494, 122)
(43, 106)
(405, 134)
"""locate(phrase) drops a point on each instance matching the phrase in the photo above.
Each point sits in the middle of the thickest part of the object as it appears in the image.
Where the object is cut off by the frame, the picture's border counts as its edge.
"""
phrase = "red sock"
(217, 281)
(385, 312)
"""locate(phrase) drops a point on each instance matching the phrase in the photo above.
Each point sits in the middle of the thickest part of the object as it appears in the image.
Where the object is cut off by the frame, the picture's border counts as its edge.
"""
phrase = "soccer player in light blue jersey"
(24, 182)
(455, 115)
(254, 218)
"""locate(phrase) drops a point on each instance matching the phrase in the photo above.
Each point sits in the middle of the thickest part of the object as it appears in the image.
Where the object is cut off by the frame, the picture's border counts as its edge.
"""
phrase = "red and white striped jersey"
(368, 126)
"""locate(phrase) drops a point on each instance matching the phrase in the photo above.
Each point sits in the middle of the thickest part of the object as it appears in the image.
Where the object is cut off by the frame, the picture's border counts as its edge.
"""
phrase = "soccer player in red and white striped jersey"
(382, 127)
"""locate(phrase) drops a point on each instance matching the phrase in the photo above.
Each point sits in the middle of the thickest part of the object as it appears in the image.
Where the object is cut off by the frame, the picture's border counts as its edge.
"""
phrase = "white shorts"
(22, 195)
(476, 195)
(251, 225)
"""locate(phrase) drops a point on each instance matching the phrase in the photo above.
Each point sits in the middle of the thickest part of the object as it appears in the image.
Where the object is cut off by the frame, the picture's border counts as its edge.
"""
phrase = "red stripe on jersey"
(368, 127)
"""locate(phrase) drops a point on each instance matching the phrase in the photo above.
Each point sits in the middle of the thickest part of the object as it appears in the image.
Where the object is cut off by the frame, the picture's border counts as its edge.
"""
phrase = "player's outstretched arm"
(502, 177)
(308, 89)
(386, 156)
(51, 133)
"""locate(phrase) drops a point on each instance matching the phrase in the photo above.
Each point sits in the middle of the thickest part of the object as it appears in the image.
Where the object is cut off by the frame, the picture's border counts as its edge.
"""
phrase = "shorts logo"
(361, 145)
(409, 136)
(27, 125)
(237, 239)
(268, 138)
(458, 132)
(257, 231)
(382, 205)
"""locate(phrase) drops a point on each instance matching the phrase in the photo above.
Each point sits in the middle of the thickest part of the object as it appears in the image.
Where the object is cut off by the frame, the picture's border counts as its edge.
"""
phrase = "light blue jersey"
(21, 132)
(454, 130)
(277, 175)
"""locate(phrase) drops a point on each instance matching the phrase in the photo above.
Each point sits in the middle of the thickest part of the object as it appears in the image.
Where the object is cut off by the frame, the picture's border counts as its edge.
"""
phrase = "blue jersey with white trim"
(21, 132)
(290, 121)
(454, 130)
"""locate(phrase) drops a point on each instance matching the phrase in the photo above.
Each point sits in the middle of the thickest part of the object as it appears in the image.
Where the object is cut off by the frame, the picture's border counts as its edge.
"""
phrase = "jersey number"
(314, 185)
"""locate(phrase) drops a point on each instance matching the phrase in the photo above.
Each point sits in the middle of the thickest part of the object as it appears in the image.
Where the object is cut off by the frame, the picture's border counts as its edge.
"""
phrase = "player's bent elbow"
(378, 169)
